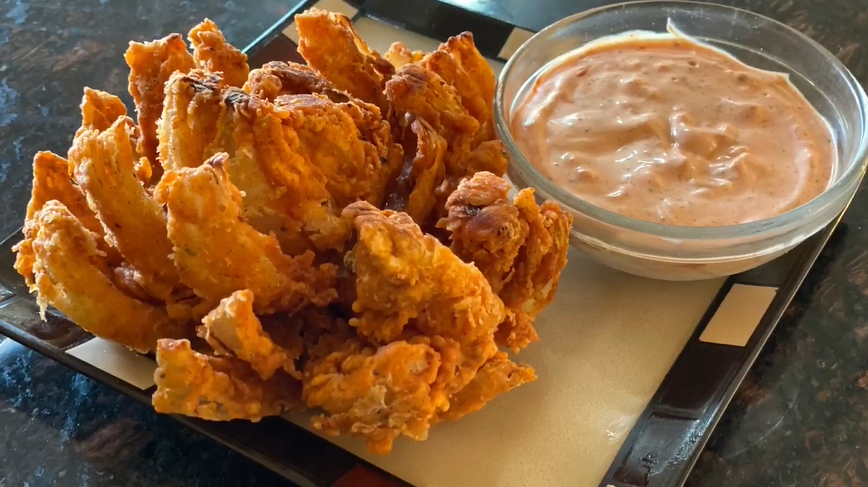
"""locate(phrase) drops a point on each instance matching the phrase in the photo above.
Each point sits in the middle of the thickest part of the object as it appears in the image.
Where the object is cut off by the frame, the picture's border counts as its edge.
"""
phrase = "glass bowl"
(692, 253)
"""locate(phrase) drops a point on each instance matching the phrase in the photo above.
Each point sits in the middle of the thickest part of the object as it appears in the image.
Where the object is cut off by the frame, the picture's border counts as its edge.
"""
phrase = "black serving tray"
(660, 450)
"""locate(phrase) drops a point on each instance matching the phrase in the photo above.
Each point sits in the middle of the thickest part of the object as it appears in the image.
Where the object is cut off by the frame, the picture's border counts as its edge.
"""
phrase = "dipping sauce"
(667, 130)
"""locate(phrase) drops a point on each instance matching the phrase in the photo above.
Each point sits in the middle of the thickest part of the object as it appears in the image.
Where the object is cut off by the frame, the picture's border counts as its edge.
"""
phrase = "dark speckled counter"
(61, 428)
(800, 419)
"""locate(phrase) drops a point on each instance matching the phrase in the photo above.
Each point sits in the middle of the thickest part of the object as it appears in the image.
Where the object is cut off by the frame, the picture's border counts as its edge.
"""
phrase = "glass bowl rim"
(836, 191)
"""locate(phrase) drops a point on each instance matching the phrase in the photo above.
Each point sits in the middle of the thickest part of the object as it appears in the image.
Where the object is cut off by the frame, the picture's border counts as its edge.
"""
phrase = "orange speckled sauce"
(669, 131)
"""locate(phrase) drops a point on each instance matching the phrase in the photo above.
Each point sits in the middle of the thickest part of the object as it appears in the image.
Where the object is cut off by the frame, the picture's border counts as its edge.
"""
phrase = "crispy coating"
(460, 64)
(190, 117)
(540, 262)
(51, 181)
(284, 192)
(517, 330)
(375, 393)
(71, 274)
(234, 201)
(451, 89)
(399, 55)
(298, 160)
(276, 78)
(489, 156)
(400, 388)
(403, 275)
(321, 332)
(217, 253)
(232, 329)
(519, 246)
(374, 129)
(328, 140)
(217, 388)
(213, 54)
(485, 227)
(422, 93)
(287, 332)
(99, 110)
(24, 256)
(461, 361)
(414, 192)
(151, 64)
(433, 320)
(330, 45)
(279, 152)
(134, 223)
(497, 376)
(409, 285)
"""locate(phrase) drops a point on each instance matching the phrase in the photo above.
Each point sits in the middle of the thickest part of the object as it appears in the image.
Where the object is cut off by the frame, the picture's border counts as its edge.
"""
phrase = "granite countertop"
(799, 418)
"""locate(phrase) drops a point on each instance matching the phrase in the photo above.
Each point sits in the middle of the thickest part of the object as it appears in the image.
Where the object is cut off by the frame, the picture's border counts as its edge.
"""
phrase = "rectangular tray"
(661, 447)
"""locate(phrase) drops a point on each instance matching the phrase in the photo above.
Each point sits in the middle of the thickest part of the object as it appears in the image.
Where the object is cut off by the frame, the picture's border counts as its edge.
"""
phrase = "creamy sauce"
(667, 130)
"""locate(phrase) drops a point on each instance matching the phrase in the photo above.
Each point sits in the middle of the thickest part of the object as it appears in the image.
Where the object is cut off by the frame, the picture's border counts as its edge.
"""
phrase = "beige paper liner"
(117, 360)
(738, 315)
